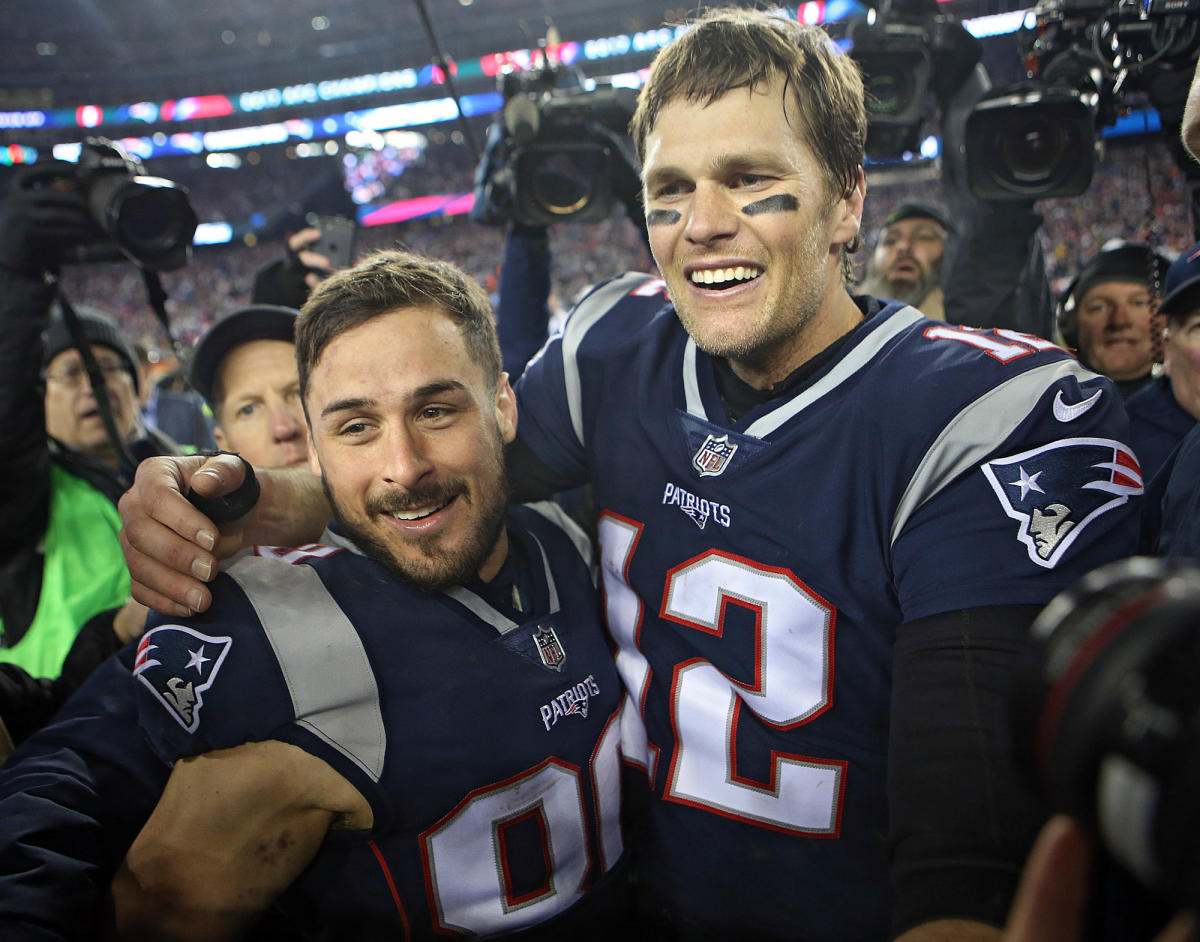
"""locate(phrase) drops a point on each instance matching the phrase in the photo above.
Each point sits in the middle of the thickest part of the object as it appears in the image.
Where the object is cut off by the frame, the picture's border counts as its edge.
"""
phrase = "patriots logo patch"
(1055, 491)
(178, 664)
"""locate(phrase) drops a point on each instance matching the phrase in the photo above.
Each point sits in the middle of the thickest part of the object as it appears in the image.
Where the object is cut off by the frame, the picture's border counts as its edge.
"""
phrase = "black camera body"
(1114, 716)
(1082, 57)
(556, 154)
(147, 219)
(907, 51)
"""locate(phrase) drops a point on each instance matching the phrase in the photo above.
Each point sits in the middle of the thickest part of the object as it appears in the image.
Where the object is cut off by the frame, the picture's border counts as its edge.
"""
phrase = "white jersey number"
(471, 877)
(793, 656)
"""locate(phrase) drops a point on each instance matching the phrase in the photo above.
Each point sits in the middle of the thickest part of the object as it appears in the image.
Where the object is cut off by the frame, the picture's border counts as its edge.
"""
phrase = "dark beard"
(455, 567)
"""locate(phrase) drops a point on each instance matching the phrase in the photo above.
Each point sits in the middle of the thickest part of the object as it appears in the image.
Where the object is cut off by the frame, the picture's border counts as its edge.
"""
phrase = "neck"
(836, 317)
(495, 560)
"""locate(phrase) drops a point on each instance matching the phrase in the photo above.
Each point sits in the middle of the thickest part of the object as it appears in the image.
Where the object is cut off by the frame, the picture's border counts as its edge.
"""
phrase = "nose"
(711, 216)
(407, 460)
(285, 424)
(1120, 315)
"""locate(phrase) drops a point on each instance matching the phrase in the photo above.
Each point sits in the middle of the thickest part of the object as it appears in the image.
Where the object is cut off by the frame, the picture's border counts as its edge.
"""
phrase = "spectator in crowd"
(1109, 314)
(245, 367)
(907, 262)
(1163, 411)
(692, 427)
(63, 586)
(307, 686)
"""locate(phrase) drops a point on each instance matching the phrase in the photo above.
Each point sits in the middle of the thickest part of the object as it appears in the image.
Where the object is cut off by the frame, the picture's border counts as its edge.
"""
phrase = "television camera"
(556, 152)
(1084, 60)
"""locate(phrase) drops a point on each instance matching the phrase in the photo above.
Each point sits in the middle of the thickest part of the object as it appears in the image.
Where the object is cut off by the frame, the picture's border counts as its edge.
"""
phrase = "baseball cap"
(1128, 262)
(257, 322)
(919, 211)
(1181, 288)
(99, 328)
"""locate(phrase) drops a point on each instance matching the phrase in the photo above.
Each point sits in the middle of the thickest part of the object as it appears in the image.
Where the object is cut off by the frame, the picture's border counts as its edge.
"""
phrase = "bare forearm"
(139, 913)
(291, 510)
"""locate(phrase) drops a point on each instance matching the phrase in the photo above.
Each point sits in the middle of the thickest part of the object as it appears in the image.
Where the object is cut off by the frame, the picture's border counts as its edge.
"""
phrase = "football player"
(409, 730)
(825, 522)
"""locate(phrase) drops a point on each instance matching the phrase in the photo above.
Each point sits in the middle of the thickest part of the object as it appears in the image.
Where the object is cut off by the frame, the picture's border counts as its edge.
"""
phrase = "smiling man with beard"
(418, 715)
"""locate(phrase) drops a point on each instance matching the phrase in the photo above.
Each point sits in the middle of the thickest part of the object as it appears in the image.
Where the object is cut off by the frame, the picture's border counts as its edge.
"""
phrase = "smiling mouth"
(418, 513)
(720, 279)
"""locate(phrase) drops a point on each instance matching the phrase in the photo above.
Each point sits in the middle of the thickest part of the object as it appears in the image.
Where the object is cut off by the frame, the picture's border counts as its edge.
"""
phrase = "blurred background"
(273, 114)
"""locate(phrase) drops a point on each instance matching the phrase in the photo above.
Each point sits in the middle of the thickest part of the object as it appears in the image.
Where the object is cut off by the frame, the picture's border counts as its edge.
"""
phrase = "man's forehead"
(71, 355)
(1116, 287)
(916, 224)
(1188, 320)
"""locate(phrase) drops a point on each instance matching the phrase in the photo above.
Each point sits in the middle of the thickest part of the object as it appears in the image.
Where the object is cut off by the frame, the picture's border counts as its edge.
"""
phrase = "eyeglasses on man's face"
(74, 375)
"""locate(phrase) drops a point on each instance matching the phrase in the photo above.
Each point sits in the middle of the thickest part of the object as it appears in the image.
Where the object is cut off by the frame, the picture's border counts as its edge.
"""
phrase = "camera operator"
(60, 560)
(1108, 313)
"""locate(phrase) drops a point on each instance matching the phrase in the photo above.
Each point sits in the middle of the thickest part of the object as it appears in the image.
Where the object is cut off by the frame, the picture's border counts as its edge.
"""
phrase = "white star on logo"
(1027, 483)
(197, 658)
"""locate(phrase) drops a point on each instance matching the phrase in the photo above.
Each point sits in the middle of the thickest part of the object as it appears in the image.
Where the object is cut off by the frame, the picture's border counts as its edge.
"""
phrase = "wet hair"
(388, 281)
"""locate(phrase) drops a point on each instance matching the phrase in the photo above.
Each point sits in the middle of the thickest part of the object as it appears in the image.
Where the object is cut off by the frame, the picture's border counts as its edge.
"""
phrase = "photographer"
(60, 561)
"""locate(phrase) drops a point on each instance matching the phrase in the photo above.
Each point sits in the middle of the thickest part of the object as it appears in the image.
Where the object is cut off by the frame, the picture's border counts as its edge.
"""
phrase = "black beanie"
(99, 329)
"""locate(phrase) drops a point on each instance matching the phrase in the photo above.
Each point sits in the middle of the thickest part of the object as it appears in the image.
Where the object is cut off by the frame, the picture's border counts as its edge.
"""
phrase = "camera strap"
(156, 296)
(95, 377)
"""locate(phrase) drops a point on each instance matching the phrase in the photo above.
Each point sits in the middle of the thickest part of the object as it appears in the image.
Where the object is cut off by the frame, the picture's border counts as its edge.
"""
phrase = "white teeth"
(417, 514)
(716, 276)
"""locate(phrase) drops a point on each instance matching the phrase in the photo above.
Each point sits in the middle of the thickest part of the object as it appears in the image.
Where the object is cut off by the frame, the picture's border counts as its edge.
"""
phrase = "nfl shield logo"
(549, 648)
(713, 456)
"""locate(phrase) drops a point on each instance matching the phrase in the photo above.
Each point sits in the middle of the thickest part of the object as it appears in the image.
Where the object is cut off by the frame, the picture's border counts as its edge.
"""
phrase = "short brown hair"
(727, 49)
(387, 281)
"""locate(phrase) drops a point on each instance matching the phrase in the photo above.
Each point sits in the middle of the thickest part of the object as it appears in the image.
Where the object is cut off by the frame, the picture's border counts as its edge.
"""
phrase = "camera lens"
(560, 181)
(889, 92)
(1033, 148)
(150, 218)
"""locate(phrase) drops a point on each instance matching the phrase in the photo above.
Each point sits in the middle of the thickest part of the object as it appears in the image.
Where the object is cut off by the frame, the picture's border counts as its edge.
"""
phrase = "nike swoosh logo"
(1068, 413)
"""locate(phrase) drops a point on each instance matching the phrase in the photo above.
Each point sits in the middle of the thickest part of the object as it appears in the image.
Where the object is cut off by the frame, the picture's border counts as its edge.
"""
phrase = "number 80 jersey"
(756, 572)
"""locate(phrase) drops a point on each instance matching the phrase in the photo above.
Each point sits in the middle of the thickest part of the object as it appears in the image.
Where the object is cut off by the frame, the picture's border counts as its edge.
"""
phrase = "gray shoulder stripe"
(590, 310)
(850, 364)
(561, 519)
(975, 432)
(324, 664)
(480, 609)
(691, 382)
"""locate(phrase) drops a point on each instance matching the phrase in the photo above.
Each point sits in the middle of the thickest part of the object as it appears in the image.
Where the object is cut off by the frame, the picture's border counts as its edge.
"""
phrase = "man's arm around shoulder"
(233, 829)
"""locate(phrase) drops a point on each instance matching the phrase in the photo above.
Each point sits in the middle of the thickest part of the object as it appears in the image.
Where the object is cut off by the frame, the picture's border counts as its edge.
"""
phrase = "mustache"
(392, 502)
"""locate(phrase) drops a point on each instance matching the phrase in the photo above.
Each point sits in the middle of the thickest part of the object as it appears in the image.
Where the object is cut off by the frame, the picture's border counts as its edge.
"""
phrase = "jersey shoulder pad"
(614, 311)
(549, 515)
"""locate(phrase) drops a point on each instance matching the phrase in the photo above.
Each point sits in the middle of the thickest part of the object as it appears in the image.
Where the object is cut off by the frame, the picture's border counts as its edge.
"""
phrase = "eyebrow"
(723, 164)
(352, 403)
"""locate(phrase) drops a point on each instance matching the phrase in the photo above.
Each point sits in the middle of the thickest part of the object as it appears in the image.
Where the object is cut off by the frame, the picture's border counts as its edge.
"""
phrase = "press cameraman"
(61, 568)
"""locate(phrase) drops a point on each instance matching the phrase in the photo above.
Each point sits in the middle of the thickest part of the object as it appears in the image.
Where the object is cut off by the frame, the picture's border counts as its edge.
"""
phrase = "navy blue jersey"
(486, 744)
(756, 572)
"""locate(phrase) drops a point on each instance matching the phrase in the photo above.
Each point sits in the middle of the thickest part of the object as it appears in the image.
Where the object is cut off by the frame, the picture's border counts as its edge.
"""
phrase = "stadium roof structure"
(66, 53)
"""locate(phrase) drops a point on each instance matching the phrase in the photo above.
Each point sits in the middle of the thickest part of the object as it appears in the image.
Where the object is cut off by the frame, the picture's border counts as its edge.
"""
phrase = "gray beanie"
(98, 328)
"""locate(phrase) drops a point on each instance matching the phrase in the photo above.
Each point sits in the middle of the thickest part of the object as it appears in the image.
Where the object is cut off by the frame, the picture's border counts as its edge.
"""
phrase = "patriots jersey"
(487, 747)
(756, 571)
